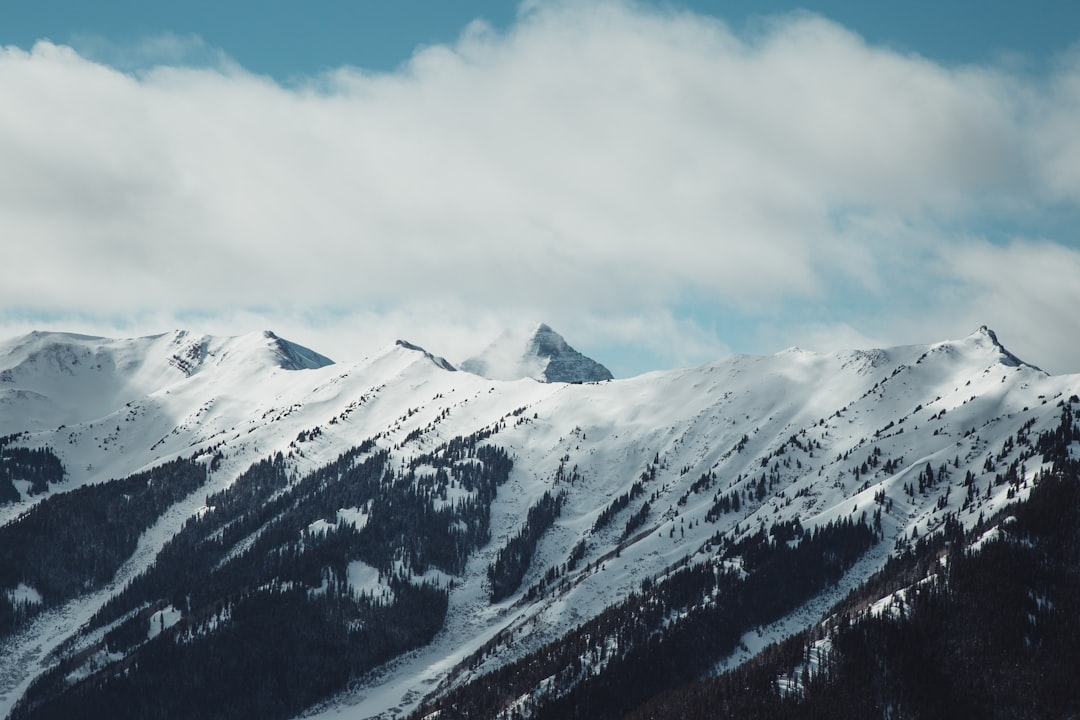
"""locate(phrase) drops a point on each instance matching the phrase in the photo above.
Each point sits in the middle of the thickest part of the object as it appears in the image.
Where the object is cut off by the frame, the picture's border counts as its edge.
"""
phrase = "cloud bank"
(649, 182)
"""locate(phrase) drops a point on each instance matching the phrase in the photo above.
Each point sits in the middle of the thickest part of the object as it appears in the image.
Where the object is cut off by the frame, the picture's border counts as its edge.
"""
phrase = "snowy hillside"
(424, 527)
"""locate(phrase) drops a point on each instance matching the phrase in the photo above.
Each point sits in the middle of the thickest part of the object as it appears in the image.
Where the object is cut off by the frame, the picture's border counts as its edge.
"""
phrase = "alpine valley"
(206, 527)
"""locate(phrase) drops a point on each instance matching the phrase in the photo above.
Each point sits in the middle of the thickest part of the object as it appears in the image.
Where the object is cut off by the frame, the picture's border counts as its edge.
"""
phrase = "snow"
(993, 534)
(349, 516)
(113, 407)
(94, 662)
(162, 620)
(24, 594)
(366, 580)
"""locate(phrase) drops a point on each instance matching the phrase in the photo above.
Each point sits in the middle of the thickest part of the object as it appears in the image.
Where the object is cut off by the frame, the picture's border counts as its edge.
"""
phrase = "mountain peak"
(190, 352)
(543, 355)
(437, 360)
(291, 356)
(984, 335)
(565, 364)
(545, 342)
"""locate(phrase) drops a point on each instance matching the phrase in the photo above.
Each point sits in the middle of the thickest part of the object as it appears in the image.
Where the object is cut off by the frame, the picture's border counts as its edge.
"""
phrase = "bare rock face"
(543, 355)
(565, 364)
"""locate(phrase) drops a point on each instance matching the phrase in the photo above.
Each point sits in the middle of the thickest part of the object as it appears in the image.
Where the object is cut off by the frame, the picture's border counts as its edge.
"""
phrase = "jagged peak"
(543, 354)
(985, 335)
(545, 342)
(295, 357)
(436, 359)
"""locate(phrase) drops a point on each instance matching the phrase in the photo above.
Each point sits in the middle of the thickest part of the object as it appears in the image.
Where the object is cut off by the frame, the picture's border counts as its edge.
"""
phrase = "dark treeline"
(508, 569)
(187, 572)
(992, 635)
(272, 655)
(74, 542)
(618, 505)
(38, 466)
(270, 621)
(669, 634)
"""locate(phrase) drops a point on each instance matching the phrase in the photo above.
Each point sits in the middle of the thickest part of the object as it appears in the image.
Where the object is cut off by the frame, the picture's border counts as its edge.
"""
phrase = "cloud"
(166, 49)
(1057, 143)
(1030, 290)
(595, 166)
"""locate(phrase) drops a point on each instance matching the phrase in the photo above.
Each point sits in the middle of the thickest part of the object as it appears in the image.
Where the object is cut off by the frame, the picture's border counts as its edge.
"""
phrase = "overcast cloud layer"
(647, 183)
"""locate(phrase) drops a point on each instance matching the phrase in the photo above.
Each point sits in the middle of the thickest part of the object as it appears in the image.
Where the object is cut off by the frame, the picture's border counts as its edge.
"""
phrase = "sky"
(664, 183)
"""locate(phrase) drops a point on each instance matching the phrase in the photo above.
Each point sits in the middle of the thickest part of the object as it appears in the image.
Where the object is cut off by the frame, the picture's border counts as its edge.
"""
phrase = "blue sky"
(284, 38)
(663, 183)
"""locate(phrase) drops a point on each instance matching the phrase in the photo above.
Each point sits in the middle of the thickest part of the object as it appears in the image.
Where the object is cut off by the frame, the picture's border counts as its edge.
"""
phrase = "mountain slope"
(982, 625)
(345, 499)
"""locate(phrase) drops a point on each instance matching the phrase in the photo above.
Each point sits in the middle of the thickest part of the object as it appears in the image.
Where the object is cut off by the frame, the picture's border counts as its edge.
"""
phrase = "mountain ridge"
(648, 469)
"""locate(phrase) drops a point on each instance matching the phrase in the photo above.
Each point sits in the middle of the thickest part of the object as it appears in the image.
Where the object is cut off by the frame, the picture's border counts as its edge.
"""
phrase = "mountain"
(438, 361)
(236, 527)
(952, 627)
(80, 375)
(542, 355)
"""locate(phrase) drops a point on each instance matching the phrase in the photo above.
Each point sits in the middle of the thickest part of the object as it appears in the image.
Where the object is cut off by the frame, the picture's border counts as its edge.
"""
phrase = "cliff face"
(543, 355)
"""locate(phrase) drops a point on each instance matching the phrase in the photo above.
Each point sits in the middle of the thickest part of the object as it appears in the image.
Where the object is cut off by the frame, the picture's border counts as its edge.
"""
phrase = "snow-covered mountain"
(542, 355)
(358, 539)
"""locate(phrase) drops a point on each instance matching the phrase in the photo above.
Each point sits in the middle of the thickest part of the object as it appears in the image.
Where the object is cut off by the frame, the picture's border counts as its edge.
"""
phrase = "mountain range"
(196, 526)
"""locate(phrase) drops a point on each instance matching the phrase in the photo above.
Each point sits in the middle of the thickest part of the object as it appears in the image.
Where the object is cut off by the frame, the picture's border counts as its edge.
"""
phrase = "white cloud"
(1030, 290)
(153, 51)
(598, 164)
(1056, 140)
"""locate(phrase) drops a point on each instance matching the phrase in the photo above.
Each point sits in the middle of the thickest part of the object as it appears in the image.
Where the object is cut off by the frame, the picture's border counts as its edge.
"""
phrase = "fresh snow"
(162, 620)
(366, 580)
(23, 593)
(109, 408)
